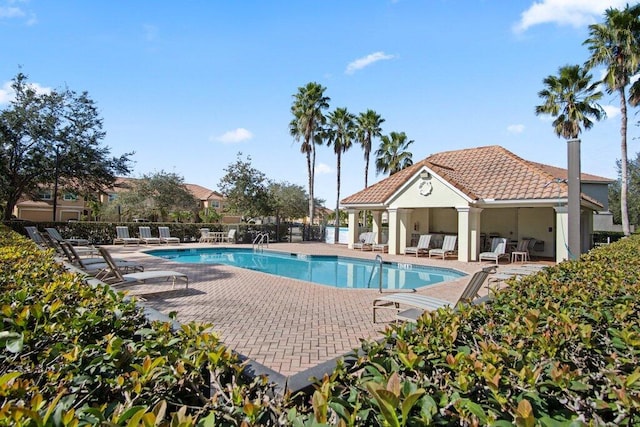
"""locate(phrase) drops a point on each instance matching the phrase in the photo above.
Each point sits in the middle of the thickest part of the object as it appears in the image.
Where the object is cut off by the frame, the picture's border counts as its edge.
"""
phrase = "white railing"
(260, 240)
(378, 265)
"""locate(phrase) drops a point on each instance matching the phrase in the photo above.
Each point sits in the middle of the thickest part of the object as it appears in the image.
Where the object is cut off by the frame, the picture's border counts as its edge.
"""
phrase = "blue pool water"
(341, 272)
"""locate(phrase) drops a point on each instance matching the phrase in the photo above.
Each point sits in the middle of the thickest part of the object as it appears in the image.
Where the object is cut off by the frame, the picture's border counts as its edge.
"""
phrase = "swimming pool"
(341, 272)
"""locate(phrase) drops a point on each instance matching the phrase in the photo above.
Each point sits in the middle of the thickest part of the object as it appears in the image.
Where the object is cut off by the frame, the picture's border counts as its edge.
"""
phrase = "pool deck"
(293, 328)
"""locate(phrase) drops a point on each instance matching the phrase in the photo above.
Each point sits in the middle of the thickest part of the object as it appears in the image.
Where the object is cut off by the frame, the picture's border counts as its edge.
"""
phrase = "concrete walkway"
(287, 325)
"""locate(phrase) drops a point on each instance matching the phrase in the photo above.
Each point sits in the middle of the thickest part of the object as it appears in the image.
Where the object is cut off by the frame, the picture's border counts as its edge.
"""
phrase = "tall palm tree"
(307, 120)
(340, 133)
(615, 44)
(368, 126)
(571, 98)
(392, 156)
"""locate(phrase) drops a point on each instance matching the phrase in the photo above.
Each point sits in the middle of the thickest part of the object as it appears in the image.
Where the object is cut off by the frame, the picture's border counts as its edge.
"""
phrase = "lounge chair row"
(423, 247)
(123, 237)
(103, 267)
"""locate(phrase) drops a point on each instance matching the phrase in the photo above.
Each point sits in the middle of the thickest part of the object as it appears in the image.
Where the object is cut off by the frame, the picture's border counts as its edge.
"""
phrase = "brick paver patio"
(287, 325)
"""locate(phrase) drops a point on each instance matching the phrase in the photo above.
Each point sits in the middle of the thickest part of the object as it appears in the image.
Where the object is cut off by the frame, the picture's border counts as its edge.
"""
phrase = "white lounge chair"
(367, 240)
(448, 247)
(383, 246)
(94, 266)
(55, 234)
(230, 237)
(122, 236)
(165, 236)
(498, 250)
(421, 303)
(421, 248)
(205, 235)
(83, 247)
(114, 276)
(146, 237)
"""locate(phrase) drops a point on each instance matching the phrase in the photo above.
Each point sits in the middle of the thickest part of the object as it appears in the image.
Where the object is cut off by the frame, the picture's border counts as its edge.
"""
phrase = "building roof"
(482, 173)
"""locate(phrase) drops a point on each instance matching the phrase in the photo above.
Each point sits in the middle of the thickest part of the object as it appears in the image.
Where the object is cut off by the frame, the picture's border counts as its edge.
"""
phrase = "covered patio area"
(474, 194)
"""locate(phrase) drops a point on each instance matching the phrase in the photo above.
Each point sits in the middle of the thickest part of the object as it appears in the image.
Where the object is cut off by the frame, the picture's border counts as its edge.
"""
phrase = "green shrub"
(73, 353)
(558, 348)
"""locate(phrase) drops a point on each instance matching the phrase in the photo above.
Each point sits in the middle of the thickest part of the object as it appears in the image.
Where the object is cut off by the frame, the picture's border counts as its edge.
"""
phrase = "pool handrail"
(377, 263)
(260, 239)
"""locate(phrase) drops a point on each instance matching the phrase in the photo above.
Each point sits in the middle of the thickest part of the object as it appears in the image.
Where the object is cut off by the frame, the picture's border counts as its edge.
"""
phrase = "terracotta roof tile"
(490, 172)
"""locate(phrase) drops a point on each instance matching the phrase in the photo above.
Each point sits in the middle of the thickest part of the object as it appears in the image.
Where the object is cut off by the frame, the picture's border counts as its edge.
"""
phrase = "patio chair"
(165, 236)
(498, 250)
(230, 237)
(421, 248)
(36, 236)
(367, 240)
(122, 236)
(421, 303)
(146, 237)
(448, 247)
(93, 266)
(383, 246)
(55, 234)
(114, 276)
(56, 239)
(521, 252)
(205, 235)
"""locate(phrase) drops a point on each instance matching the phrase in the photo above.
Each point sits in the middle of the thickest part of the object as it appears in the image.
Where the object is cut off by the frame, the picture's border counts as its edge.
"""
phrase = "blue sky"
(187, 85)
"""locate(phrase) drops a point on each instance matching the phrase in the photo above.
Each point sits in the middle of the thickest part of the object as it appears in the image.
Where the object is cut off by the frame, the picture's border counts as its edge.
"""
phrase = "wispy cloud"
(363, 62)
(7, 94)
(515, 128)
(323, 168)
(10, 11)
(150, 32)
(611, 110)
(575, 13)
(234, 136)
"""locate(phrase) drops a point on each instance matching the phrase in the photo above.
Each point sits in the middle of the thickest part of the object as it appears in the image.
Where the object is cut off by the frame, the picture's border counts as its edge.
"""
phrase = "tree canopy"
(246, 189)
(49, 138)
(159, 196)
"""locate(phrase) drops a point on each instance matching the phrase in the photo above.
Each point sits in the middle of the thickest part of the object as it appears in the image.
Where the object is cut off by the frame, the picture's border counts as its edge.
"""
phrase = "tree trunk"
(312, 168)
(624, 212)
(337, 224)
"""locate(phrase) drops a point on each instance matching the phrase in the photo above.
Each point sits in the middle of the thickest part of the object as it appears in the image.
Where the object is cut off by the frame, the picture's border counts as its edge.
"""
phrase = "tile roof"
(490, 172)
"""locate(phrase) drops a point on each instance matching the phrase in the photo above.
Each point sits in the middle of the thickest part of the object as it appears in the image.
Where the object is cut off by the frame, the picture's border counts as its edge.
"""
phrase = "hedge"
(74, 354)
(561, 348)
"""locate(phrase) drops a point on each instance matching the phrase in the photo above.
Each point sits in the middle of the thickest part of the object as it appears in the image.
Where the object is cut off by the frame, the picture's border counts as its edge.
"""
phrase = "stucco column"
(404, 229)
(354, 227)
(376, 225)
(393, 231)
(468, 233)
(562, 228)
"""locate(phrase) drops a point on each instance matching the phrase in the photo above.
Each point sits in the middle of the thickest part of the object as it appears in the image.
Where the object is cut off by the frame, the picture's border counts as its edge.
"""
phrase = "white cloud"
(360, 63)
(322, 168)
(234, 136)
(11, 12)
(515, 128)
(575, 13)
(611, 110)
(7, 94)
(150, 32)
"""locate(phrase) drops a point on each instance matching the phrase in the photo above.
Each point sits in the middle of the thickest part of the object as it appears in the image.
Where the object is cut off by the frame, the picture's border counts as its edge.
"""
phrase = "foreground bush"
(559, 348)
(75, 354)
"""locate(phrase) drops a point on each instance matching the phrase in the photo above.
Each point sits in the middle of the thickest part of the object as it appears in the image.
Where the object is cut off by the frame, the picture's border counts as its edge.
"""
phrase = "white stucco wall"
(441, 195)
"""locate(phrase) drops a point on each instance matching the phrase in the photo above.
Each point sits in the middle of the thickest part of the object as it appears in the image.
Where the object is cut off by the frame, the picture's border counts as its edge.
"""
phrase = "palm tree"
(340, 133)
(571, 98)
(614, 44)
(392, 156)
(307, 120)
(368, 127)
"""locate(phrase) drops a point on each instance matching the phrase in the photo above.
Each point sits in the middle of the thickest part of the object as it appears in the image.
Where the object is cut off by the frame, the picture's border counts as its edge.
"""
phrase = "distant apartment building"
(72, 207)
